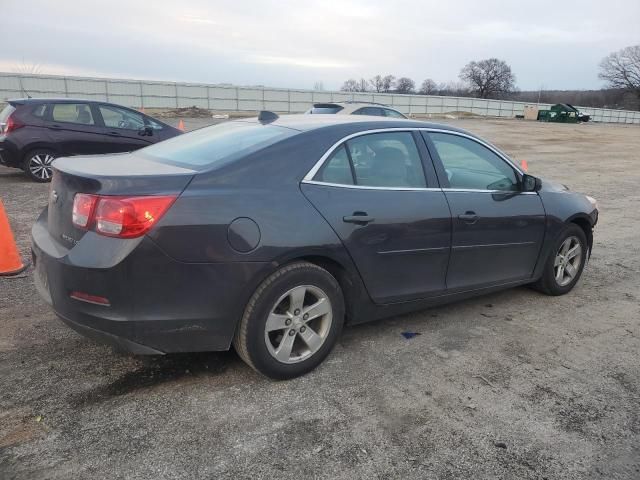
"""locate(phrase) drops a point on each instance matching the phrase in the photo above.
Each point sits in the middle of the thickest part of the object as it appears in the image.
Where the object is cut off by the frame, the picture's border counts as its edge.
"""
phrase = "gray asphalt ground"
(514, 385)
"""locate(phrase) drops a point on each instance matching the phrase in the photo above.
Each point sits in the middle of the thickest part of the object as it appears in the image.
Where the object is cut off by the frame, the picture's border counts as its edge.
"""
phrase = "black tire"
(37, 164)
(548, 283)
(250, 339)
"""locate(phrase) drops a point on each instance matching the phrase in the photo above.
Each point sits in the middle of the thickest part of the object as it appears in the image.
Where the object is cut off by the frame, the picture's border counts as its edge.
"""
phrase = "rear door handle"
(113, 134)
(469, 217)
(359, 218)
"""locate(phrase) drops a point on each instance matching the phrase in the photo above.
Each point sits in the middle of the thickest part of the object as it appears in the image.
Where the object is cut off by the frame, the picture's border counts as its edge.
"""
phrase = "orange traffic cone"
(525, 165)
(181, 125)
(10, 263)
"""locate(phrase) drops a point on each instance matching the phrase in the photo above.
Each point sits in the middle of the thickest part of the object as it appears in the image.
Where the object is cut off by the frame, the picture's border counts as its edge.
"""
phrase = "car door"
(497, 228)
(125, 128)
(392, 218)
(74, 130)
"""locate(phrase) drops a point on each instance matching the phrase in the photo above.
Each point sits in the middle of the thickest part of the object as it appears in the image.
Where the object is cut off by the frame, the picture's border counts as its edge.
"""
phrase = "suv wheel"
(37, 164)
(564, 266)
(291, 322)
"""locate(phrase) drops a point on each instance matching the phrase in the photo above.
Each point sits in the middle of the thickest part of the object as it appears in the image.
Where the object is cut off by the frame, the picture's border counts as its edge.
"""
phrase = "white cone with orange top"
(10, 263)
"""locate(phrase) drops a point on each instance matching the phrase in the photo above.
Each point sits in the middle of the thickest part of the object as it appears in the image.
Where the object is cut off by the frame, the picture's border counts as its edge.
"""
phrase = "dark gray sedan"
(270, 234)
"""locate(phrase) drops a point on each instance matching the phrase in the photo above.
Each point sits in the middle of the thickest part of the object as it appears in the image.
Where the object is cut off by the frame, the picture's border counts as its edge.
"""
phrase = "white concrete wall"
(152, 94)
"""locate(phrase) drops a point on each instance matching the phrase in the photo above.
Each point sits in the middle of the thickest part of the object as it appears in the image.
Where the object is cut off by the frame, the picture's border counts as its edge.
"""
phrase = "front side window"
(79, 113)
(470, 165)
(115, 117)
(376, 160)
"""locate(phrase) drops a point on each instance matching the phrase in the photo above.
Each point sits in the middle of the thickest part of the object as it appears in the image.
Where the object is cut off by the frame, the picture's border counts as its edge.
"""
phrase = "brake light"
(122, 217)
(12, 124)
(83, 205)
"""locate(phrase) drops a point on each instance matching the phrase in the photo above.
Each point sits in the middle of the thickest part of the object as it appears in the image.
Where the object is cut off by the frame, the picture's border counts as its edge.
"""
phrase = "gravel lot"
(510, 385)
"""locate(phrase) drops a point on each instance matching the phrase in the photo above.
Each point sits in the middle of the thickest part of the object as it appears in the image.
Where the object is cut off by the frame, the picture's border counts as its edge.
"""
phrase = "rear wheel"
(564, 266)
(37, 164)
(291, 322)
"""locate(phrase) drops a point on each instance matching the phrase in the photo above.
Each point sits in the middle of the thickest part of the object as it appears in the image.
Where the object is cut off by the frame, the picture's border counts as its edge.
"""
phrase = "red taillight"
(122, 217)
(12, 124)
(83, 205)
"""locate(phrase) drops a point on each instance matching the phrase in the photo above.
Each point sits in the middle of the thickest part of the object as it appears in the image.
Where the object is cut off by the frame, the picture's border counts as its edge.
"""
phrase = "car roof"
(306, 123)
(35, 101)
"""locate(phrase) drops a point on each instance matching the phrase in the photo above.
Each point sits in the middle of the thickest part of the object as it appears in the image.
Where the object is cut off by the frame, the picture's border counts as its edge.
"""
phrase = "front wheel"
(37, 164)
(564, 266)
(291, 322)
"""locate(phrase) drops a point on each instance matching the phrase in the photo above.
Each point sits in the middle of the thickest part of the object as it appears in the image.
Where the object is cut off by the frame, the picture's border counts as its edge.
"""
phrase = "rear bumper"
(157, 304)
(8, 154)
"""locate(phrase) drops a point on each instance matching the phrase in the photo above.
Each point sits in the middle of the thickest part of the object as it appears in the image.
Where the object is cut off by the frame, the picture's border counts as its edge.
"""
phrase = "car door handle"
(55, 127)
(469, 217)
(113, 134)
(359, 218)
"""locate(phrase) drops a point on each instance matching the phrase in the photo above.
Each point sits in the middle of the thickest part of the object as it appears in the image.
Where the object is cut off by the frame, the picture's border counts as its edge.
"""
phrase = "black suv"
(33, 132)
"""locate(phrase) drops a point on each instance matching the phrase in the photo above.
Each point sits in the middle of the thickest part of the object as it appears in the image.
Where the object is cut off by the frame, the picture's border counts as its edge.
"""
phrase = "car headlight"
(592, 201)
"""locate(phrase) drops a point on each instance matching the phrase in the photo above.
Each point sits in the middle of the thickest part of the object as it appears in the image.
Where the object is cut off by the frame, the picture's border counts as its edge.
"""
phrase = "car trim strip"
(489, 245)
(413, 250)
(417, 189)
(314, 170)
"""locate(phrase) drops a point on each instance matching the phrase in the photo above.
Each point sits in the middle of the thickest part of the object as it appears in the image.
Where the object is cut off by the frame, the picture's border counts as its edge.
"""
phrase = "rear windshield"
(217, 145)
(335, 109)
(6, 111)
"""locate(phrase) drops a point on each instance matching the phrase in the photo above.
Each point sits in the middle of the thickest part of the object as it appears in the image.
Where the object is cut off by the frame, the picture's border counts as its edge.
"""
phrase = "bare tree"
(428, 87)
(621, 69)
(363, 85)
(377, 83)
(405, 85)
(388, 82)
(489, 78)
(319, 86)
(350, 85)
(27, 68)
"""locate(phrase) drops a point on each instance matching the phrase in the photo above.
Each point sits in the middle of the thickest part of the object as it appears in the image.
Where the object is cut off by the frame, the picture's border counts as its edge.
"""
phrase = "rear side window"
(377, 160)
(375, 111)
(39, 110)
(79, 113)
(392, 113)
(217, 145)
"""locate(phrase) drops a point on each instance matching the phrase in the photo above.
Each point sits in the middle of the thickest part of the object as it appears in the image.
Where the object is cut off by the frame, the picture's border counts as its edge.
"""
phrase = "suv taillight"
(12, 124)
(121, 217)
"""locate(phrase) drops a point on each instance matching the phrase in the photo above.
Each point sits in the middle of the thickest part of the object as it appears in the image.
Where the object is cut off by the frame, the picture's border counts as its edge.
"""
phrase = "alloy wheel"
(567, 262)
(40, 165)
(298, 324)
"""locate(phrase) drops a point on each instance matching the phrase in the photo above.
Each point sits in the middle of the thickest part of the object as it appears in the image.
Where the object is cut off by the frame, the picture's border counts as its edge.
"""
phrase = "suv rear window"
(325, 109)
(217, 145)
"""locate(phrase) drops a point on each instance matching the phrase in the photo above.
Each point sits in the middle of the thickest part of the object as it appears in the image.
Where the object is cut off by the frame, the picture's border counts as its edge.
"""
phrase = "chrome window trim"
(308, 178)
(367, 187)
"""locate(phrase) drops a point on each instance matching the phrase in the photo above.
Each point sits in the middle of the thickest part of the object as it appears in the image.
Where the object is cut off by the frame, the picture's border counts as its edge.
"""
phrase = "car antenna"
(22, 87)
(266, 116)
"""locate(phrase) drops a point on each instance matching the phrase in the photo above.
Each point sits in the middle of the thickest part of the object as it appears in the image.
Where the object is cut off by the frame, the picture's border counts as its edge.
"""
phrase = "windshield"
(327, 109)
(217, 145)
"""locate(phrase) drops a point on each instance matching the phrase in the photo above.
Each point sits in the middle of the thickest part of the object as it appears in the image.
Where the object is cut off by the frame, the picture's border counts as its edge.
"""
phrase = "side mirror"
(531, 183)
(146, 131)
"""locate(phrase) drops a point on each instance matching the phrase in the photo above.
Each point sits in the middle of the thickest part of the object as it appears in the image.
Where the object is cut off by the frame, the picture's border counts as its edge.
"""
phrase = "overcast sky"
(289, 43)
